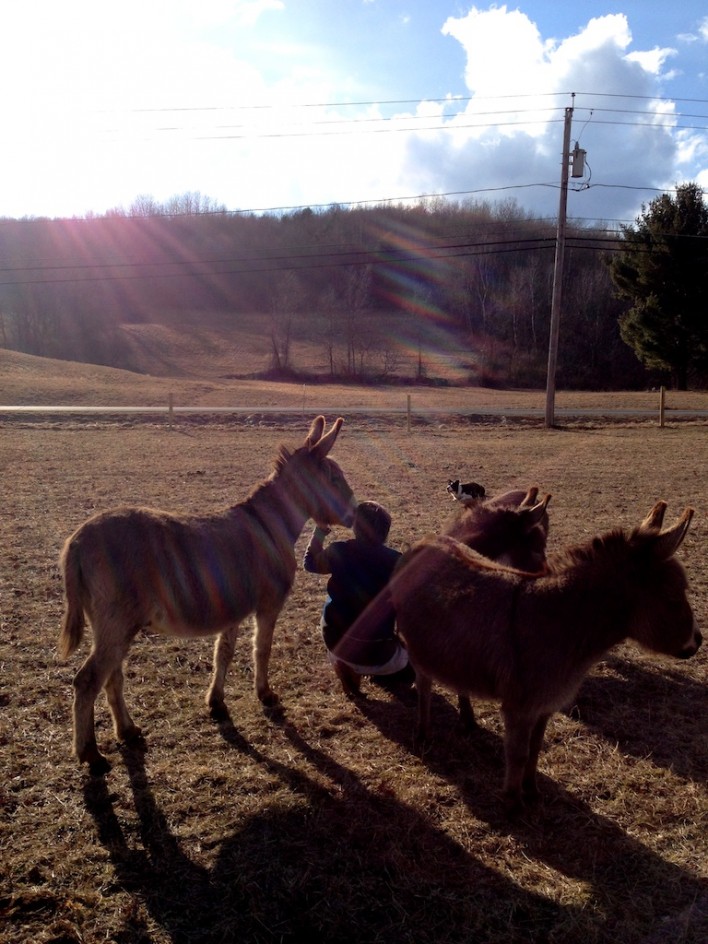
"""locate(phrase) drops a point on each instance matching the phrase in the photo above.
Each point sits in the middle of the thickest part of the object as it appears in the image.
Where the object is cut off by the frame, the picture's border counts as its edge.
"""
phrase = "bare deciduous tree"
(286, 300)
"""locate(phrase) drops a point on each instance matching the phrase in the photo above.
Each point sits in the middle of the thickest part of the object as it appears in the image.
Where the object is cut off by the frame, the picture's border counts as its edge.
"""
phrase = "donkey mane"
(609, 549)
(282, 458)
(284, 455)
(281, 466)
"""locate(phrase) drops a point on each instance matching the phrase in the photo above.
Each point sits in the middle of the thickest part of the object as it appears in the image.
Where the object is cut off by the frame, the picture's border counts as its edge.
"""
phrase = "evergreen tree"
(662, 270)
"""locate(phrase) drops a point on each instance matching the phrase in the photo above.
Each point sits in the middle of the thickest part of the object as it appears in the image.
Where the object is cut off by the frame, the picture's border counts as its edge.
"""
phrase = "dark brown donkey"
(512, 527)
(484, 629)
(135, 569)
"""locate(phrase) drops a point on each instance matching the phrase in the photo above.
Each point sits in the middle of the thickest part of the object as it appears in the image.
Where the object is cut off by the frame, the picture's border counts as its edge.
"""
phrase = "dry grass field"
(317, 823)
(39, 381)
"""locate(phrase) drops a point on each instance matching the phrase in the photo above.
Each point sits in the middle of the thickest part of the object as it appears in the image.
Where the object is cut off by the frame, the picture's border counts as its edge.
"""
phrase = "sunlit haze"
(279, 103)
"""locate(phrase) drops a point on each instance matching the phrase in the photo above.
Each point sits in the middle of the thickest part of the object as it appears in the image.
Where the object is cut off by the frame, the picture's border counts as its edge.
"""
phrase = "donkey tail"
(73, 622)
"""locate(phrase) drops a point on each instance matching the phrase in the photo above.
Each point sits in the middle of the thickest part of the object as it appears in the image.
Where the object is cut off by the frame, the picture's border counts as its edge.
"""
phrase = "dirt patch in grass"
(318, 823)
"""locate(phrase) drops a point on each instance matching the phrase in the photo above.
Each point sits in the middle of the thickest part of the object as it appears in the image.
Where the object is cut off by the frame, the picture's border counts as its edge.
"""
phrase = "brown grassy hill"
(216, 360)
(198, 349)
(30, 381)
(227, 346)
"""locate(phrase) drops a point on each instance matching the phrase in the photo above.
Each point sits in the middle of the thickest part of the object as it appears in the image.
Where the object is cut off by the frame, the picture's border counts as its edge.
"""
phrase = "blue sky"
(278, 103)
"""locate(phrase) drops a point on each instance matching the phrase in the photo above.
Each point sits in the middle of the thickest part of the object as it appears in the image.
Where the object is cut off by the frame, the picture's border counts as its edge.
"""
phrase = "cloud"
(493, 40)
(110, 101)
(249, 11)
(509, 135)
(652, 60)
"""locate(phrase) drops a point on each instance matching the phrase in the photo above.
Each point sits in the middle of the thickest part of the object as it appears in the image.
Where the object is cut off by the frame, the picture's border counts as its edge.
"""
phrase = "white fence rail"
(172, 411)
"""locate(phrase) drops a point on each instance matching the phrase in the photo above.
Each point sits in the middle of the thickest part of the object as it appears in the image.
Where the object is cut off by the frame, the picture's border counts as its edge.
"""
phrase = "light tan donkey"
(133, 569)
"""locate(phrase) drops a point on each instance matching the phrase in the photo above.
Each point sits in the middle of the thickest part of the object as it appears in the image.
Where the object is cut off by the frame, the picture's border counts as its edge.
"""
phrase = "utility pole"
(557, 296)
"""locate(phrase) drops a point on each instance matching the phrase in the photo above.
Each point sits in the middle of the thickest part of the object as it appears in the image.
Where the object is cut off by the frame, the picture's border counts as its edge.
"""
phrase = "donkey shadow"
(601, 854)
(287, 871)
(638, 708)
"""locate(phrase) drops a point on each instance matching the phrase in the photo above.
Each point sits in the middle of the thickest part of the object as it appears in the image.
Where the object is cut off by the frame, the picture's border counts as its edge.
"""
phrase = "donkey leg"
(262, 645)
(529, 786)
(88, 682)
(517, 749)
(125, 729)
(223, 654)
(424, 686)
(467, 718)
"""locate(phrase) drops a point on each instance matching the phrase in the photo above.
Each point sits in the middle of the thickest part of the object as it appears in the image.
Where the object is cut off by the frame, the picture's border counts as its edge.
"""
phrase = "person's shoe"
(404, 677)
(350, 680)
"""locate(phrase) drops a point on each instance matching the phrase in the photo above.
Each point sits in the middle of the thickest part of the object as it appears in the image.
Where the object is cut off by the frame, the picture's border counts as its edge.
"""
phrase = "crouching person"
(360, 569)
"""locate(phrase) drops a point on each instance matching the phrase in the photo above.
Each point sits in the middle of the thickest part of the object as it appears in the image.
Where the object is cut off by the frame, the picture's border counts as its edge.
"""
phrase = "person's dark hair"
(371, 522)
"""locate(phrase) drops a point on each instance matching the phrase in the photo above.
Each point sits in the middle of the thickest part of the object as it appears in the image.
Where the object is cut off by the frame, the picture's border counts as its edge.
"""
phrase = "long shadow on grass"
(633, 887)
(334, 862)
(649, 713)
(354, 864)
(173, 887)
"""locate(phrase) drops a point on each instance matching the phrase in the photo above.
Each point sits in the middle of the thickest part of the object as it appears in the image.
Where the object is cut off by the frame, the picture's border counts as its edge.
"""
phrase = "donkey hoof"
(132, 737)
(514, 805)
(353, 694)
(218, 710)
(99, 766)
(269, 699)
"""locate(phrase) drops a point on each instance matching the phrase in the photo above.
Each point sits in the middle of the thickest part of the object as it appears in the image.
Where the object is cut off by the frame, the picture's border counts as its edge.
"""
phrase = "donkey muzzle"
(692, 648)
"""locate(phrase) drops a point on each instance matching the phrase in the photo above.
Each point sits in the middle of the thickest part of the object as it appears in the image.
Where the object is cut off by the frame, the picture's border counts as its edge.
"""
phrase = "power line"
(408, 124)
(389, 122)
(446, 99)
(341, 204)
(315, 258)
(318, 257)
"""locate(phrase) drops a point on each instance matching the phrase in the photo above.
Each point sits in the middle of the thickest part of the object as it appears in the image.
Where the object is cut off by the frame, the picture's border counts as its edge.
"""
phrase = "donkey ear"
(321, 448)
(536, 514)
(529, 499)
(669, 541)
(655, 518)
(316, 430)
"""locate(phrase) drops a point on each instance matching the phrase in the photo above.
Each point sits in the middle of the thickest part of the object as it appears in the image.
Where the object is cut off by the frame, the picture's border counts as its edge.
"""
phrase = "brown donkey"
(135, 569)
(480, 628)
(511, 528)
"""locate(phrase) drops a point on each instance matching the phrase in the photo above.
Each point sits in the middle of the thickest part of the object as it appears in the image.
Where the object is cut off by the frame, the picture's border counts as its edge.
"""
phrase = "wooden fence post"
(662, 401)
(409, 412)
(171, 409)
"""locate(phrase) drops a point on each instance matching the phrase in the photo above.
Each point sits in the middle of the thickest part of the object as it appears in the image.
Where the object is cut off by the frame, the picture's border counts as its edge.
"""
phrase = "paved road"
(352, 411)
